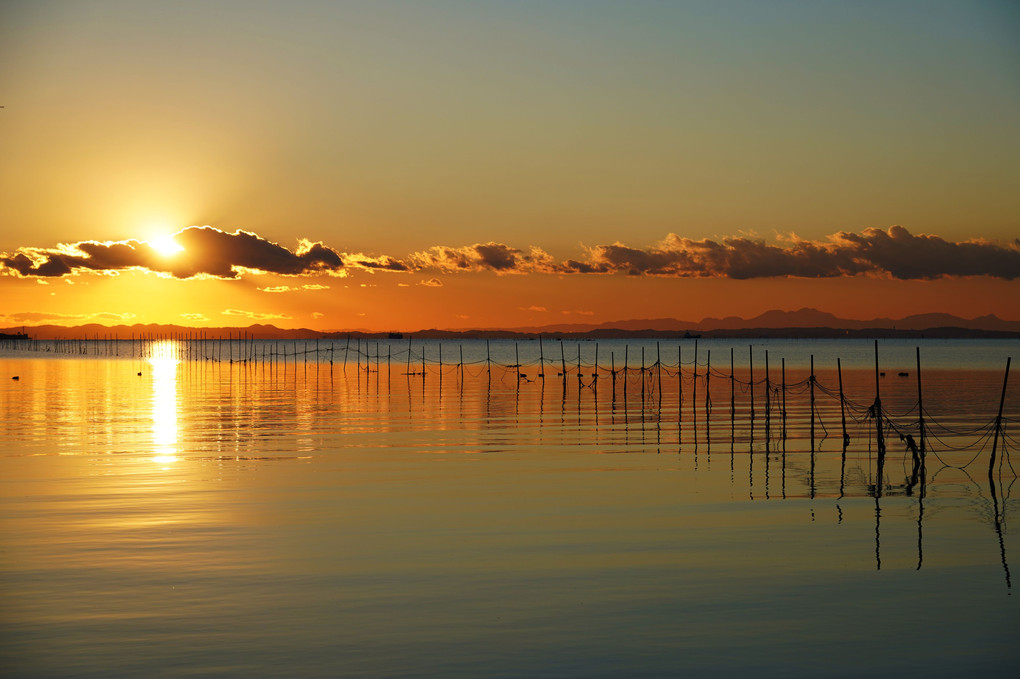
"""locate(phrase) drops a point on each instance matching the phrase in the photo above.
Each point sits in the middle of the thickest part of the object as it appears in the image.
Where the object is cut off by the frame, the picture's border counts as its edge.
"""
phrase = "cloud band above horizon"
(212, 253)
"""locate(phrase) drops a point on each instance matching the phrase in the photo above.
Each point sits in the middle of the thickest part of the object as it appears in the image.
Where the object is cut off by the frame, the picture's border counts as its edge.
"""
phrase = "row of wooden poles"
(244, 348)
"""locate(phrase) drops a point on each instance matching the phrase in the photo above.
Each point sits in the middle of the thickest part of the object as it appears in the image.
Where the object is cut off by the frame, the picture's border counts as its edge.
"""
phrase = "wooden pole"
(658, 370)
(998, 422)
(783, 368)
(733, 400)
(811, 384)
(541, 358)
(694, 392)
(878, 410)
(768, 399)
(679, 384)
(920, 403)
(842, 403)
(642, 374)
(708, 378)
(578, 361)
(517, 360)
(750, 354)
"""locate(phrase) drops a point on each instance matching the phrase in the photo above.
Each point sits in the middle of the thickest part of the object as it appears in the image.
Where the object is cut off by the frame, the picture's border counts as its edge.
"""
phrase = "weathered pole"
(998, 423)
(783, 369)
(694, 391)
(708, 378)
(750, 355)
(878, 411)
(768, 400)
(811, 383)
(733, 400)
(842, 403)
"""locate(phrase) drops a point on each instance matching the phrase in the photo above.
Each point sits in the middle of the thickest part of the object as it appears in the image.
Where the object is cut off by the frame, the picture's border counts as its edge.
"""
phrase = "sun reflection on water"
(164, 402)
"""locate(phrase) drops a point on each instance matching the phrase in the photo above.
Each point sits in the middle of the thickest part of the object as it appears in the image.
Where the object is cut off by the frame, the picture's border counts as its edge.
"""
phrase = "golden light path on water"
(164, 363)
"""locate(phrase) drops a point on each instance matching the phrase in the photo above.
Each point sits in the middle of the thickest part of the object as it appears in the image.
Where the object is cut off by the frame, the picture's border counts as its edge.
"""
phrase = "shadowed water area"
(406, 508)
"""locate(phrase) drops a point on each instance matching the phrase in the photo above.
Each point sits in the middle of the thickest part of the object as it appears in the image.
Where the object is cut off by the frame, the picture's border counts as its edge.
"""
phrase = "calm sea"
(440, 509)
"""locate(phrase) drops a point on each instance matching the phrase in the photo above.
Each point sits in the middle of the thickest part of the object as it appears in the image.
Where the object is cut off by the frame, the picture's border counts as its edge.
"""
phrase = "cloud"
(532, 308)
(490, 256)
(36, 317)
(373, 264)
(209, 252)
(895, 252)
(206, 252)
(290, 288)
(317, 314)
(195, 317)
(254, 315)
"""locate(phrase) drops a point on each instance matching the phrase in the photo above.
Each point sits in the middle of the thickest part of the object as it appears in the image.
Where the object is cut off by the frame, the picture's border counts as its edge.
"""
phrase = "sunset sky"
(404, 165)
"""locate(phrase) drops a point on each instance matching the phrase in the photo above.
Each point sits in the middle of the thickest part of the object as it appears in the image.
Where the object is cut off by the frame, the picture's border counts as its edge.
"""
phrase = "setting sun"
(166, 246)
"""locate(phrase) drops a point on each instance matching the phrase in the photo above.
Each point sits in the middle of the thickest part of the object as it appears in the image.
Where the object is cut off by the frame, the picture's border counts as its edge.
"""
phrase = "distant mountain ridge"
(803, 322)
(802, 318)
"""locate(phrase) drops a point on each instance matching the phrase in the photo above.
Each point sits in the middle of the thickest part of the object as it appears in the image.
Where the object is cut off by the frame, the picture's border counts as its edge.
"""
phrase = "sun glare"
(163, 362)
(166, 246)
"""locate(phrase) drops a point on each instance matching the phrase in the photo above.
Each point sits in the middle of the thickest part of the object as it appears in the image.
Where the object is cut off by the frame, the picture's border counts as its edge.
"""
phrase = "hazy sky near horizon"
(507, 163)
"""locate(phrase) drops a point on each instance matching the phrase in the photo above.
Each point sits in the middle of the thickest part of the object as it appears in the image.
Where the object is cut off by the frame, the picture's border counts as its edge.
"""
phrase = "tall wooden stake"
(842, 403)
(998, 422)
(783, 365)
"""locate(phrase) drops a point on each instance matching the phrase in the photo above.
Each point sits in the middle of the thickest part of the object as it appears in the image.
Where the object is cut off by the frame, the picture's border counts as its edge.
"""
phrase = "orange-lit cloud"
(210, 252)
(482, 257)
(293, 288)
(254, 315)
(38, 317)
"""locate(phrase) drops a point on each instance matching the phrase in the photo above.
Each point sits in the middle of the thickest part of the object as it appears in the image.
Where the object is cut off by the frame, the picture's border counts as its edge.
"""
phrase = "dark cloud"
(223, 255)
(904, 255)
(210, 252)
(207, 252)
(383, 263)
(490, 256)
(895, 252)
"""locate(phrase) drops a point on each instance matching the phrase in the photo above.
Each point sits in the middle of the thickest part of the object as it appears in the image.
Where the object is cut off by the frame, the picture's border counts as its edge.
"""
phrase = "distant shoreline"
(265, 332)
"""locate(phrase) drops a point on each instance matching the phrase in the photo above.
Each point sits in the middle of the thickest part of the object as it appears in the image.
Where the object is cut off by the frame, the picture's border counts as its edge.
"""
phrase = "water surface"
(284, 514)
